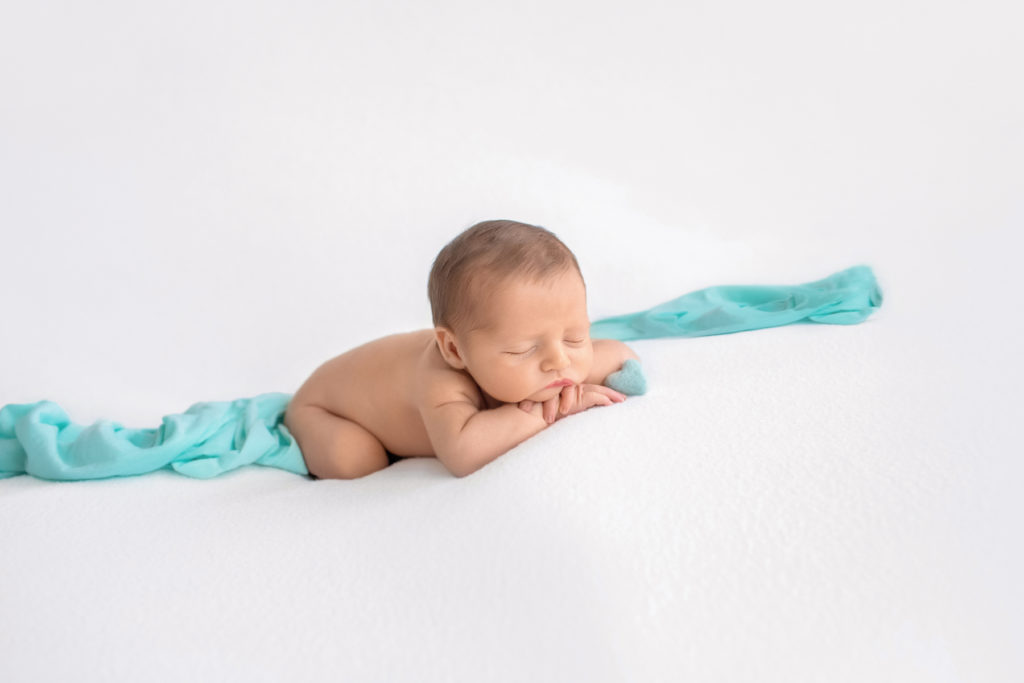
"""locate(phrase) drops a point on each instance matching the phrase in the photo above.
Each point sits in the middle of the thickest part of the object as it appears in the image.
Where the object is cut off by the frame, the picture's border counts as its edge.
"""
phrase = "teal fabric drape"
(843, 298)
(210, 438)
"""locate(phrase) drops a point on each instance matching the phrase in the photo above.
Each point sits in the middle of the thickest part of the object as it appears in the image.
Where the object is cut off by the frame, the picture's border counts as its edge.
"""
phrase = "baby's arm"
(465, 436)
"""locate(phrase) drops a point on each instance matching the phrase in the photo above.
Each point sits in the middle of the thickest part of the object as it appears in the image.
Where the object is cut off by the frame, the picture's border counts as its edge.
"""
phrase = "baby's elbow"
(461, 468)
(456, 462)
(467, 458)
(461, 472)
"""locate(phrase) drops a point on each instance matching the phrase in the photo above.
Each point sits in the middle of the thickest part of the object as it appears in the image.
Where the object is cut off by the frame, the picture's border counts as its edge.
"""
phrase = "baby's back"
(373, 385)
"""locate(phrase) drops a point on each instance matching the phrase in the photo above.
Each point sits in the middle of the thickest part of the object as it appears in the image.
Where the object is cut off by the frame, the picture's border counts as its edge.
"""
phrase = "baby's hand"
(575, 399)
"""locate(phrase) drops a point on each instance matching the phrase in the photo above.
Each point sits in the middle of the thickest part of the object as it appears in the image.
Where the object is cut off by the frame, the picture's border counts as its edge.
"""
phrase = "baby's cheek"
(517, 386)
(586, 359)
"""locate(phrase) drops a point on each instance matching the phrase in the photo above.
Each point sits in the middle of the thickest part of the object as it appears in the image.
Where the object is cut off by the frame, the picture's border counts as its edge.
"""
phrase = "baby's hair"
(487, 253)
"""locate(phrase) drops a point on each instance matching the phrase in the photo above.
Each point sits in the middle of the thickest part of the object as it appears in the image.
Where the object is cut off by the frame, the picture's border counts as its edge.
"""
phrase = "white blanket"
(805, 503)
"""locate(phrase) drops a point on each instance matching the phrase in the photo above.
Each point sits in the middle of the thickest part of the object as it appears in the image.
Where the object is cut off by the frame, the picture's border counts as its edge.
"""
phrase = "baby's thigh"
(333, 447)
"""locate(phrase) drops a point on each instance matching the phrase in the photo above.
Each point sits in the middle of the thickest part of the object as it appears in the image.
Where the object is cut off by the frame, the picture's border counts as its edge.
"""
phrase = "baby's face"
(535, 336)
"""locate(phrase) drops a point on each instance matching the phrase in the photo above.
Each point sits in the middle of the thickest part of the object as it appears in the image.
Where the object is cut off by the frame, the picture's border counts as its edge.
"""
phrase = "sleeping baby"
(510, 354)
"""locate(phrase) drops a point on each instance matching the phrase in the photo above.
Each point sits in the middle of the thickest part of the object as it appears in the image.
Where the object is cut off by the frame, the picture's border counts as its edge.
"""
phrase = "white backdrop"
(206, 200)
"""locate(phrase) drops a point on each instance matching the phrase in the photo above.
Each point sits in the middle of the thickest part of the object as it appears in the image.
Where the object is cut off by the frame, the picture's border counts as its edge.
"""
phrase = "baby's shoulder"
(437, 383)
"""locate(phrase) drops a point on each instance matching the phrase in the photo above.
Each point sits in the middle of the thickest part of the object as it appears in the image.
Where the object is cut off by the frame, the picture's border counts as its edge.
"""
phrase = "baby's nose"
(556, 359)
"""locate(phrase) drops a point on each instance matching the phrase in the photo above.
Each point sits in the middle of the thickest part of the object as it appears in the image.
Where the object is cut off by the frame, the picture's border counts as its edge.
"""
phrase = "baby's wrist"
(536, 409)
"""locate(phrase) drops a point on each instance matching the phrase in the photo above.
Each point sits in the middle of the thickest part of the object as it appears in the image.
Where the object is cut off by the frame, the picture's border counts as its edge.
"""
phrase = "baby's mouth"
(559, 383)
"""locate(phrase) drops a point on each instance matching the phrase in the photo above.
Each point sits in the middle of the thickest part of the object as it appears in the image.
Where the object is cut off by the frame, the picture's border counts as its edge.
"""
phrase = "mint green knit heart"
(630, 380)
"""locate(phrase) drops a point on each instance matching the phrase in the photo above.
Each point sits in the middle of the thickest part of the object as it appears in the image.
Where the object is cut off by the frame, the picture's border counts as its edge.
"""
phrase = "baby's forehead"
(490, 309)
(484, 288)
(505, 333)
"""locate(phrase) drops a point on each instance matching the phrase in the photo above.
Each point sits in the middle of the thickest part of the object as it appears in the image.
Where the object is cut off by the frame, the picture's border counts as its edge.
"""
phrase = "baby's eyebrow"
(519, 341)
(532, 338)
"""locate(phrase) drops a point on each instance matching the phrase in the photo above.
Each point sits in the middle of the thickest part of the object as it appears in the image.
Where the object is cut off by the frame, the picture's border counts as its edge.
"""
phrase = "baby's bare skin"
(376, 386)
(464, 397)
(373, 385)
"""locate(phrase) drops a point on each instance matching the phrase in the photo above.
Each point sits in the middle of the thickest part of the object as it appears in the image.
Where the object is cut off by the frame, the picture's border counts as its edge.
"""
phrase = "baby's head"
(510, 308)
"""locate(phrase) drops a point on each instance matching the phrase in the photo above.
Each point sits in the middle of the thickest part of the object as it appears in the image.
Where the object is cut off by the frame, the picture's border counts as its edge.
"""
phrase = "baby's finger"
(550, 410)
(615, 396)
(565, 399)
(526, 405)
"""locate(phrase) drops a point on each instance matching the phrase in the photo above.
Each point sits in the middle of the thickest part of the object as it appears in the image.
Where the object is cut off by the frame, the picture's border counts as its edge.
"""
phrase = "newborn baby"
(510, 354)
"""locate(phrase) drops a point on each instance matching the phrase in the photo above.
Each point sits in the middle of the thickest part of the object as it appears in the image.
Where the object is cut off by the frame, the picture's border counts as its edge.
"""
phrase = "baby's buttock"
(372, 385)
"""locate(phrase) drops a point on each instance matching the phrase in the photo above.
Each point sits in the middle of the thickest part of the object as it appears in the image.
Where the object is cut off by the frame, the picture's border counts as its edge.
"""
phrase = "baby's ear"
(448, 345)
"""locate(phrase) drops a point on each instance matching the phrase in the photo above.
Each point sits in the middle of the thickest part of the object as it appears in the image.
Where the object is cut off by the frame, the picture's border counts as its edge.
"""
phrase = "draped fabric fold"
(210, 438)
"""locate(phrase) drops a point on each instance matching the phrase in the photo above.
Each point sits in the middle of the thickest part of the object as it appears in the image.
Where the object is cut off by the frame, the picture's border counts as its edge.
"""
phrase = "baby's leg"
(333, 447)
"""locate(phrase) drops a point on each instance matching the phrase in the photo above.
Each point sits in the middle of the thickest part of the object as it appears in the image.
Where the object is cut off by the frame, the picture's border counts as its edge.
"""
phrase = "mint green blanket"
(213, 437)
(208, 439)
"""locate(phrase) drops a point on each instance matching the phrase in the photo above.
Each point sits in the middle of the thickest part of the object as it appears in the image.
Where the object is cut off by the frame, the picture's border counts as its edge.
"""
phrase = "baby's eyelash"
(532, 349)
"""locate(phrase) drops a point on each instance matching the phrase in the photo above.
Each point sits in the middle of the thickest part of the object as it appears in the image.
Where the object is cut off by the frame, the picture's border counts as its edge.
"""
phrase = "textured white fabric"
(803, 503)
